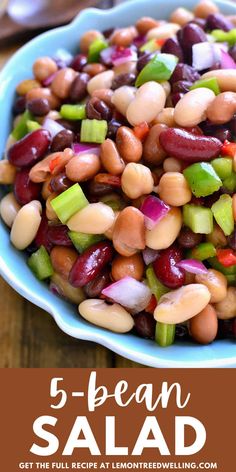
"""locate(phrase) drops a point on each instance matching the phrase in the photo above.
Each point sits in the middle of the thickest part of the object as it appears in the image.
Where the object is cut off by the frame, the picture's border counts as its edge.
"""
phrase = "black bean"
(113, 127)
(62, 140)
(200, 22)
(39, 106)
(189, 35)
(172, 46)
(96, 189)
(181, 332)
(97, 109)
(59, 183)
(19, 105)
(144, 59)
(232, 240)
(78, 90)
(71, 125)
(218, 21)
(184, 72)
(94, 288)
(123, 79)
(79, 62)
(182, 86)
(188, 239)
(227, 329)
(145, 325)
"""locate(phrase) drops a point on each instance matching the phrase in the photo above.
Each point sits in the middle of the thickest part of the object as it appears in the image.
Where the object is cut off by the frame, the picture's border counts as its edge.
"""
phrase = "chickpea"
(226, 309)
(226, 79)
(113, 317)
(110, 158)
(88, 38)
(100, 81)
(192, 107)
(124, 36)
(136, 180)
(95, 218)
(128, 145)
(26, 85)
(44, 67)
(166, 117)
(26, 225)
(7, 172)
(144, 24)
(173, 188)
(216, 283)
(204, 326)
(164, 31)
(129, 232)
(62, 259)
(83, 167)
(153, 153)
(181, 16)
(205, 8)
(165, 231)
(50, 213)
(132, 266)
(182, 304)
(9, 208)
(217, 237)
(122, 98)
(45, 93)
(171, 164)
(222, 109)
(62, 82)
(234, 206)
(61, 286)
(149, 101)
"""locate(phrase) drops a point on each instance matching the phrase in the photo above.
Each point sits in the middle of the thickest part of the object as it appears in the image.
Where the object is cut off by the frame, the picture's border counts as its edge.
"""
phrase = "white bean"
(122, 97)
(165, 231)
(192, 107)
(167, 30)
(26, 225)
(101, 81)
(9, 208)
(182, 304)
(149, 101)
(95, 218)
(113, 317)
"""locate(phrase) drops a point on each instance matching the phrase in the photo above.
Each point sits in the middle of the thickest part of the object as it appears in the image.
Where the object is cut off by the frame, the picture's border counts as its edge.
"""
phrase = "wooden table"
(29, 337)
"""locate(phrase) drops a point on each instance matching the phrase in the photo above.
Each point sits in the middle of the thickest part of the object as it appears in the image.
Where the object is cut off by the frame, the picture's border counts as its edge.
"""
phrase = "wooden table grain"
(29, 337)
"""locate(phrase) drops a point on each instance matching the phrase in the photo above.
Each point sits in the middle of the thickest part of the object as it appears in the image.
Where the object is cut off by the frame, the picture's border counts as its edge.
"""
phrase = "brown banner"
(129, 419)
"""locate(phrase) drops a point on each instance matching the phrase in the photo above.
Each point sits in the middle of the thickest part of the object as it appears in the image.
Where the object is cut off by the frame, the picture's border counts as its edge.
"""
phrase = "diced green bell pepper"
(160, 68)
(210, 83)
(69, 202)
(222, 210)
(33, 126)
(156, 287)
(165, 334)
(223, 166)
(230, 182)
(95, 48)
(151, 46)
(82, 241)
(202, 179)
(73, 112)
(21, 128)
(202, 251)
(40, 263)
(225, 36)
(198, 219)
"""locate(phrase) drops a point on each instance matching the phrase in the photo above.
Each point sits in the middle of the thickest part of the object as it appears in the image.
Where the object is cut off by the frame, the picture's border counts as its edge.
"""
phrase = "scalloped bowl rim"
(136, 349)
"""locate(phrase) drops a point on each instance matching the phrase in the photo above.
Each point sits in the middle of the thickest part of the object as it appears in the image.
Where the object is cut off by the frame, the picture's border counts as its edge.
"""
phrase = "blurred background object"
(23, 19)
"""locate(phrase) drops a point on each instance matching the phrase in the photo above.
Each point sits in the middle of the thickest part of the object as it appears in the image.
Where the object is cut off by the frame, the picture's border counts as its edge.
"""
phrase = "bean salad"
(120, 172)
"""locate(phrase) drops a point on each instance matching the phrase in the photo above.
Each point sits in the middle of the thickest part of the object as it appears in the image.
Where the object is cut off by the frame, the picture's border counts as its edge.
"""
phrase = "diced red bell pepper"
(141, 131)
(54, 162)
(228, 149)
(152, 305)
(226, 257)
(108, 179)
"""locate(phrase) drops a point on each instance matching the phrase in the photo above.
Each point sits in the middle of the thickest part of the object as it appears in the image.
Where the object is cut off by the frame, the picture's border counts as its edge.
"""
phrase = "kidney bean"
(175, 98)
(38, 106)
(78, 89)
(62, 140)
(113, 127)
(29, 149)
(90, 263)
(24, 189)
(144, 59)
(200, 22)
(223, 134)
(94, 288)
(204, 326)
(182, 86)
(97, 110)
(41, 237)
(189, 35)
(218, 21)
(189, 147)
(184, 72)
(172, 46)
(19, 105)
(123, 79)
(188, 239)
(58, 235)
(145, 325)
(166, 270)
(78, 62)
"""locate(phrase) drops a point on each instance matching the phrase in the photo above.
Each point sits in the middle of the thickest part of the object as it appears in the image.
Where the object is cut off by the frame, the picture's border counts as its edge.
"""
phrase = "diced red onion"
(122, 55)
(139, 41)
(193, 266)
(46, 82)
(154, 210)
(52, 126)
(205, 55)
(130, 293)
(149, 255)
(106, 55)
(79, 148)
(227, 61)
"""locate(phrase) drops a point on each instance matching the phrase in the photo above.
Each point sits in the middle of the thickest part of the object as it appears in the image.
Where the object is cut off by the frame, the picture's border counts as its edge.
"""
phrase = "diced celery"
(202, 252)
(150, 46)
(225, 36)
(165, 334)
(156, 287)
(82, 241)
(73, 112)
(69, 202)
(198, 219)
(95, 48)
(93, 131)
(40, 263)
(21, 128)
(223, 213)
(210, 83)
(213, 262)
(160, 68)
(32, 125)
(202, 179)
(223, 166)
(230, 182)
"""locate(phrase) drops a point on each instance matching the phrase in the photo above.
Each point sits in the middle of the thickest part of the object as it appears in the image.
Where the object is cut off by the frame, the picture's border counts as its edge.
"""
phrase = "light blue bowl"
(12, 263)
